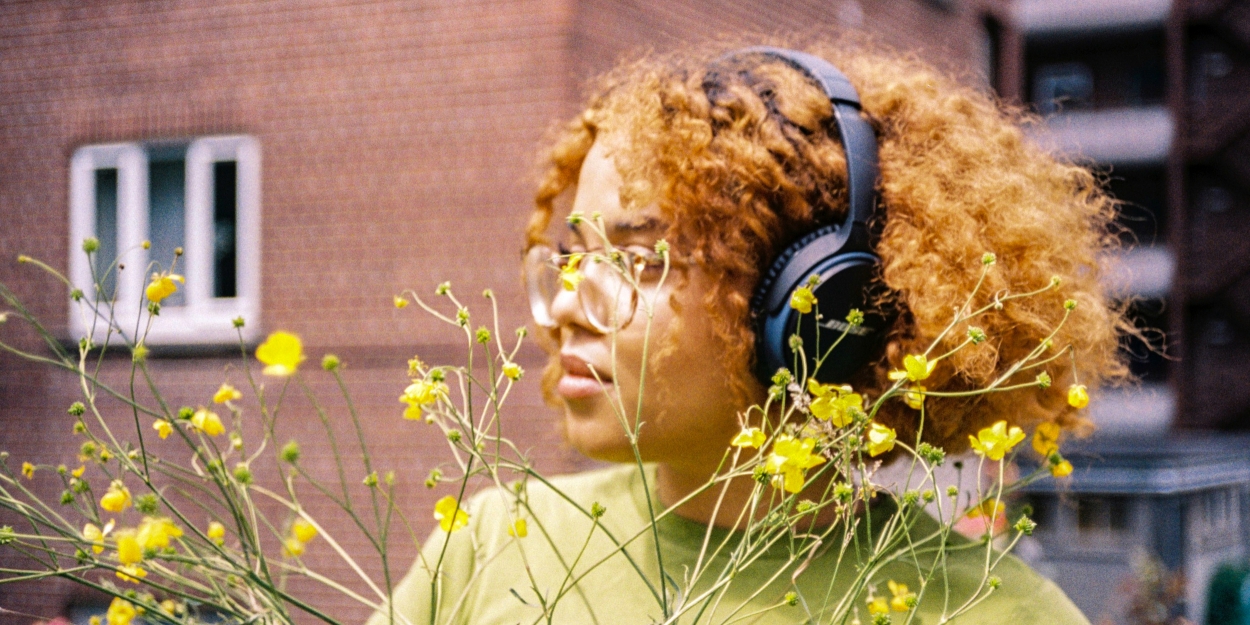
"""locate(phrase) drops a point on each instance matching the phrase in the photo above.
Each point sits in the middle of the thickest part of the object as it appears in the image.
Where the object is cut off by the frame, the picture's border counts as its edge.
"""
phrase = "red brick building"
(388, 145)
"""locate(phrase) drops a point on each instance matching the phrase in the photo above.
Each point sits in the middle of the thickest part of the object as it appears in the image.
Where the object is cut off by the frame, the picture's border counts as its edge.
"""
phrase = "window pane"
(225, 212)
(106, 229)
(167, 192)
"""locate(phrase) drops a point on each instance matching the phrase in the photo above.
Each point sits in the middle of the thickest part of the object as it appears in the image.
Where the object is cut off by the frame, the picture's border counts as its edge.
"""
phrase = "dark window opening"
(105, 232)
(225, 229)
(1146, 349)
(1102, 514)
(992, 31)
(1115, 70)
(167, 216)
(1143, 209)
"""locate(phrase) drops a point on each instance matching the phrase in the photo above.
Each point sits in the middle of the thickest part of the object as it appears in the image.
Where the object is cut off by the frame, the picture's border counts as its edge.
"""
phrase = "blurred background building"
(314, 159)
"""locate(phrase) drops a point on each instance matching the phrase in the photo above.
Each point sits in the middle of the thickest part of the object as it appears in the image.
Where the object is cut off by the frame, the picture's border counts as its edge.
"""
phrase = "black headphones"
(837, 258)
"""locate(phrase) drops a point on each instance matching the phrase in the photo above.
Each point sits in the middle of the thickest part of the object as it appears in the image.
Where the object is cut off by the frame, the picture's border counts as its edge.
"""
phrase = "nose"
(567, 310)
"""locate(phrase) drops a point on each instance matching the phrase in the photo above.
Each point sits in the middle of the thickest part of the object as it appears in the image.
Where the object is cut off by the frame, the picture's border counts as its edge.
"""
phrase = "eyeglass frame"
(619, 259)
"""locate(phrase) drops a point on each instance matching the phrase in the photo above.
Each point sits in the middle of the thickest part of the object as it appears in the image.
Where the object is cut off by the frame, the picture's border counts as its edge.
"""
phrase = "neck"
(723, 503)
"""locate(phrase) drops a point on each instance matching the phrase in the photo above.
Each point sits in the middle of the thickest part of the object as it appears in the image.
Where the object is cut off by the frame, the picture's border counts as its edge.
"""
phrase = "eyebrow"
(620, 227)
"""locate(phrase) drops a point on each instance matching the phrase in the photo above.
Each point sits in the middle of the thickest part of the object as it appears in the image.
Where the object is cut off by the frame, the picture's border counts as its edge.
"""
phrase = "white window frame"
(202, 319)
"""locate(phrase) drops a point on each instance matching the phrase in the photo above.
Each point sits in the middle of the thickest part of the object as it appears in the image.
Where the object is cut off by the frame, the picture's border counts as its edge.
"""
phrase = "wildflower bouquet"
(199, 541)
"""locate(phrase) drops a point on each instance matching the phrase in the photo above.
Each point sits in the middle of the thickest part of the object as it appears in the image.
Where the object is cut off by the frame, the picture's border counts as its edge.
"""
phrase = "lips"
(578, 381)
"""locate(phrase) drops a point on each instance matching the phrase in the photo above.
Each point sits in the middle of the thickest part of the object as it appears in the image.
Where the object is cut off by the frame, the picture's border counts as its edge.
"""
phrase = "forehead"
(599, 192)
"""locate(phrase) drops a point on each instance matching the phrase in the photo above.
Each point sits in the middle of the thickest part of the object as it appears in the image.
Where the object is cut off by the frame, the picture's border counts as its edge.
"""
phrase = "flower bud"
(330, 362)
(90, 245)
(290, 452)
(77, 409)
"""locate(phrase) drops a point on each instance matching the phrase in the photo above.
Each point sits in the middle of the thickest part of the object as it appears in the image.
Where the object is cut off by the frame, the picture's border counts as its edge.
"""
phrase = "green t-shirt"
(491, 577)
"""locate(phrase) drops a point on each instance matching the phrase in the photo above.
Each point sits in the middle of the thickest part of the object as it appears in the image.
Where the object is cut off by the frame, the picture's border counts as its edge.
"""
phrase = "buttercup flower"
(1063, 468)
(419, 394)
(836, 404)
(570, 277)
(988, 508)
(915, 368)
(163, 428)
(995, 441)
(79, 471)
(802, 300)
(914, 397)
(1078, 396)
(292, 547)
(281, 353)
(512, 371)
(519, 529)
(121, 612)
(303, 531)
(28, 470)
(880, 439)
(156, 532)
(116, 498)
(789, 461)
(131, 573)
(162, 286)
(226, 393)
(96, 535)
(1046, 439)
(878, 605)
(449, 515)
(750, 437)
(400, 302)
(901, 597)
(216, 532)
(207, 422)
(129, 551)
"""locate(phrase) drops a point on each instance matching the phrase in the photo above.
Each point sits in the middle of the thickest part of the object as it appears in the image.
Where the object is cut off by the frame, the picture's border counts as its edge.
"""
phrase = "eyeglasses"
(607, 283)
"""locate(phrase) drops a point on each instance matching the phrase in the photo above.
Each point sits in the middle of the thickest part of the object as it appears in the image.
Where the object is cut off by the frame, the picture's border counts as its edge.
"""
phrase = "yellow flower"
(512, 371)
(292, 547)
(878, 605)
(915, 368)
(995, 441)
(28, 470)
(880, 439)
(1046, 439)
(570, 277)
(400, 302)
(281, 353)
(96, 535)
(914, 397)
(519, 529)
(802, 300)
(1062, 469)
(129, 551)
(1078, 396)
(901, 596)
(94, 620)
(836, 404)
(750, 437)
(162, 286)
(131, 573)
(79, 471)
(121, 612)
(163, 428)
(170, 607)
(156, 532)
(226, 393)
(117, 498)
(303, 531)
(449, 515)
(207, 422)
(421, 393)
(988, 508)
(789, 461)
(216, 532)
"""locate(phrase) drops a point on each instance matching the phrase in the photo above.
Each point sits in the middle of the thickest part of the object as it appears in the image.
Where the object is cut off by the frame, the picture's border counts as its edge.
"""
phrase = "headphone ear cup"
(833, 350)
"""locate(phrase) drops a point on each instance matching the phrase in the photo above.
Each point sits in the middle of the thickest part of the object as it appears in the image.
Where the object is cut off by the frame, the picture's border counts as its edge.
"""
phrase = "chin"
(597, 437)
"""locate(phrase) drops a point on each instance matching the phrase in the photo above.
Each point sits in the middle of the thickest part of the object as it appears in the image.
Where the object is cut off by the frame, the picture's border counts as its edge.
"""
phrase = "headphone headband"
(859, 142)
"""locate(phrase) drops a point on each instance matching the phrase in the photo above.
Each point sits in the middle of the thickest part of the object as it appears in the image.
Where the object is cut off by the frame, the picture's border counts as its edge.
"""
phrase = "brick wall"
(398, 141)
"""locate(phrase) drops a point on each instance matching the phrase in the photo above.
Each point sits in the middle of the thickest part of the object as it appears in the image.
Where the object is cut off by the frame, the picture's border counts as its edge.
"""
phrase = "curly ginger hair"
(737, 154)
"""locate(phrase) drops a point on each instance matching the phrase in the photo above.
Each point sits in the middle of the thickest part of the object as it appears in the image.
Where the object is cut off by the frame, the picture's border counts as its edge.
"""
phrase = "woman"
(727, 158)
